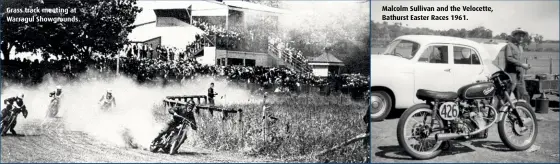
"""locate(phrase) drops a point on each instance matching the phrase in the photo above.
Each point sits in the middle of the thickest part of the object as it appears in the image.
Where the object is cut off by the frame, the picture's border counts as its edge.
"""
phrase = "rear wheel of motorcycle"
(404, 121)
(3, 128)
(507, 134)
(52, 113)
(154, 148)
(6, 127)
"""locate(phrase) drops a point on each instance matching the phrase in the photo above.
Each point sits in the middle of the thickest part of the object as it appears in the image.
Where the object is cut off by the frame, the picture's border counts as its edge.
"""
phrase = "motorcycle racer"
(180, 114)
(108, 99)
(57, 94)
(11, 104)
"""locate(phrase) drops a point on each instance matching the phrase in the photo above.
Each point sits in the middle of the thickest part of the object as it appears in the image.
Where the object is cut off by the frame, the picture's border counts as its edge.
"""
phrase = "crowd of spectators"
(159, 52)
(155, 71)
(236, 38)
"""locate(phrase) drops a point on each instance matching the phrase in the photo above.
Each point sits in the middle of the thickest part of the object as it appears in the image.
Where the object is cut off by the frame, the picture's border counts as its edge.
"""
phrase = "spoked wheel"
(414, 132)
(512, 134)
(176, 142)
(6, 127)
(155, 147)
(53, 110)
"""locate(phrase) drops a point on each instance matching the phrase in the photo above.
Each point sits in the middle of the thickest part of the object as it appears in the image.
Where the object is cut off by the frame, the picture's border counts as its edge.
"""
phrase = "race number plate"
(448, 111)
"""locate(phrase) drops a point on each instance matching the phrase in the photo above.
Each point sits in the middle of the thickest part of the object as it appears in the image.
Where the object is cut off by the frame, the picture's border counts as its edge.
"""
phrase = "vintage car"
(436, 63)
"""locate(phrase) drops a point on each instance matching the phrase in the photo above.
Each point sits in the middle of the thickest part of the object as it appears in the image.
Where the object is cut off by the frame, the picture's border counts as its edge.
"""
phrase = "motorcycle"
(106, 106)
(172, 140)
(465, 114)
(53, 107)
(9, 120)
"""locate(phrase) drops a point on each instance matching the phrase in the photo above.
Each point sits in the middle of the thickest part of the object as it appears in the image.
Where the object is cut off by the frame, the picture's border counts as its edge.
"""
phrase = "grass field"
(306, 124)
(540, 62)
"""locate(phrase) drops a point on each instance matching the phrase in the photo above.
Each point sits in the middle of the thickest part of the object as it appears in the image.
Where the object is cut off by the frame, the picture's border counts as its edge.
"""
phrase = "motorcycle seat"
(424, 94)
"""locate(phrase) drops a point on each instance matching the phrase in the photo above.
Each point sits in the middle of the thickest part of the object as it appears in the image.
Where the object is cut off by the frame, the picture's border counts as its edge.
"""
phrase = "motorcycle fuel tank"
(477, 91)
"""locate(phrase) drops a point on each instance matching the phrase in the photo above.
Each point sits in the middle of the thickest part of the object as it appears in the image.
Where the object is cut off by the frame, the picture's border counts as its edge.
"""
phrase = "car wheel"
(381, 105)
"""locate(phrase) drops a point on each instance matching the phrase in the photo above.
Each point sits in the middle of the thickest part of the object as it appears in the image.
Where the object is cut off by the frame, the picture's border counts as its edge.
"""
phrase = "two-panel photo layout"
(279, 81)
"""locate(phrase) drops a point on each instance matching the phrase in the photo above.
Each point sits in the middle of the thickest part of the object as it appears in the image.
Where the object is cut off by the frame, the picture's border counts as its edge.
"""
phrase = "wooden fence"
(206, 113)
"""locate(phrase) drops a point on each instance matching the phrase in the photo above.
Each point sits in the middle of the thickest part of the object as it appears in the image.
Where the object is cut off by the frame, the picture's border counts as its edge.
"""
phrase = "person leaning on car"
(514, 67)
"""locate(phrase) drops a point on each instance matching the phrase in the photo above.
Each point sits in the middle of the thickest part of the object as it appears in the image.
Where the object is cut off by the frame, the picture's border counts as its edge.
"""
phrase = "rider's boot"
(12, 128)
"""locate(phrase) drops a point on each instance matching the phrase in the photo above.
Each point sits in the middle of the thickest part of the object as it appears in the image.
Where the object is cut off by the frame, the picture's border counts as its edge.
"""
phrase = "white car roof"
(428, 39)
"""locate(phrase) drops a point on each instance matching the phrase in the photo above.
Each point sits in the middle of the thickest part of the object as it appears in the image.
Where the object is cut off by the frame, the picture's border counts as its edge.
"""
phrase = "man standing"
(514, 67)
(211, 94)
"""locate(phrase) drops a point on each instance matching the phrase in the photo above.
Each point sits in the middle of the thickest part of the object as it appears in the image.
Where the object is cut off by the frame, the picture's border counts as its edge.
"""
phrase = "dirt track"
(51, 143)
(385, 147)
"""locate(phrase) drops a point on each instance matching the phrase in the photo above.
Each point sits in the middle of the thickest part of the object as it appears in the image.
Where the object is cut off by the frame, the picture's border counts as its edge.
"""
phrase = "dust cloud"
(134, 114)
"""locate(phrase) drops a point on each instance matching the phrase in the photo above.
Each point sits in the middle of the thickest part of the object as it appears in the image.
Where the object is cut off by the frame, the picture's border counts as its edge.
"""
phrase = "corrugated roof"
(325, 58)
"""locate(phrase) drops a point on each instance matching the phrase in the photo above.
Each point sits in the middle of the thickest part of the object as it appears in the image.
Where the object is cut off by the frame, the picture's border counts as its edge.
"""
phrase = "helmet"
(519, 31)
(20, 95)
(109, 91)
(58, 87)
(190, 103)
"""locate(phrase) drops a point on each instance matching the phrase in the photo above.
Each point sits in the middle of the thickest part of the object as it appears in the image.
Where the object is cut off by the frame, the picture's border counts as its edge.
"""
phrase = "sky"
(536, 17)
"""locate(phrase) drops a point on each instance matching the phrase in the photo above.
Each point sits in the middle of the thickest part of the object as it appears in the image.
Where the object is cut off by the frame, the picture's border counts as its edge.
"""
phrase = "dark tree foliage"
(103, 27)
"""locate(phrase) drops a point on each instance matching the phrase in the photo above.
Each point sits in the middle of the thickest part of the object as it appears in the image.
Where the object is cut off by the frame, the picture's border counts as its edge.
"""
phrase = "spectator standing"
(211, 94)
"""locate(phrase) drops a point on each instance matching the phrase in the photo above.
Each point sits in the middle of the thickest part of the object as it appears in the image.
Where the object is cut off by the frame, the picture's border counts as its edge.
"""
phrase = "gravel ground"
(52, 145)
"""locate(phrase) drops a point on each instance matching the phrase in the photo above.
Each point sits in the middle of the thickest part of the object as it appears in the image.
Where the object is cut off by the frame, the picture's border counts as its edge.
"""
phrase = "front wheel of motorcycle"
(175, 142)
(414, 125)
(514, 136)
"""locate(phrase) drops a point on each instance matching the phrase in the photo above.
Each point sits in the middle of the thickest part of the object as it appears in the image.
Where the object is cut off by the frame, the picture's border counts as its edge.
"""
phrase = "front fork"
(511, 106)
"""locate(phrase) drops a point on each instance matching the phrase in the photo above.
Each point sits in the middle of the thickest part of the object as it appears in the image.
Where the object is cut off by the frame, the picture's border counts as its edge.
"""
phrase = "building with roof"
(169, 24)
(325, 64)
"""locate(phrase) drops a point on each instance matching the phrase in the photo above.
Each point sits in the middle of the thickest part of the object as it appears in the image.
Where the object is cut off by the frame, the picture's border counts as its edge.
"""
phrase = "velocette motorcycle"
(424, 130)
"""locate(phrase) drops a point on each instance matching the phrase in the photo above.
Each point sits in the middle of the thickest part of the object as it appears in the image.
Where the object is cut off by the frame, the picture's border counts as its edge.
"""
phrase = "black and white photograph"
(464, 81)
(185, 81)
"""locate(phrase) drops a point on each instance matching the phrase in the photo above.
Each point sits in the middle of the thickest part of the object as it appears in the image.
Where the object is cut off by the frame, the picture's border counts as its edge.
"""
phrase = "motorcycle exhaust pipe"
(447, 136)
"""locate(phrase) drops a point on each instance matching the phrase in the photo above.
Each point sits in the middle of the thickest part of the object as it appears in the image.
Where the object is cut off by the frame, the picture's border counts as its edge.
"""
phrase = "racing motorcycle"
(172, 140)
(106, 105)
(9, 120)
(53, 107)
(424, 130)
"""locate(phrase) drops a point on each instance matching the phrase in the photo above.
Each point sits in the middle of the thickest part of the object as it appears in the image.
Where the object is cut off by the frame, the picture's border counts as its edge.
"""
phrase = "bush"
(306, 124)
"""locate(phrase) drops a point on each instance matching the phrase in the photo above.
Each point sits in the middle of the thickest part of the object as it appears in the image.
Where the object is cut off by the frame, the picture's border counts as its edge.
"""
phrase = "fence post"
(264, 118)
(240, 120)
(550, 65)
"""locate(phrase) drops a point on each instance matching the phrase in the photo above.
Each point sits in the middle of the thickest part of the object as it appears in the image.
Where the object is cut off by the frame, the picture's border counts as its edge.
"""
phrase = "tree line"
(383, 33)
(102, 28)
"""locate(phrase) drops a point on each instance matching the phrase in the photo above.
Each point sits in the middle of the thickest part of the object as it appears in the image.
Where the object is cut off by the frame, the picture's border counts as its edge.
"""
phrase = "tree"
(502, 36)
(21, 36)
(103, 27)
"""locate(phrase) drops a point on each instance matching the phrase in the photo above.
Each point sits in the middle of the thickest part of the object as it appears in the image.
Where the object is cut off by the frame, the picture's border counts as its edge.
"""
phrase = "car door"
(432, 69)
(467, 67)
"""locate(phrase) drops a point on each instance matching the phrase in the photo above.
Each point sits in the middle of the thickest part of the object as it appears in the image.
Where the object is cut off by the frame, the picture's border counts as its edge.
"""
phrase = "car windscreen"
(402, 48)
